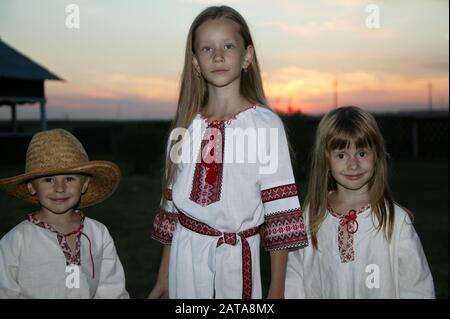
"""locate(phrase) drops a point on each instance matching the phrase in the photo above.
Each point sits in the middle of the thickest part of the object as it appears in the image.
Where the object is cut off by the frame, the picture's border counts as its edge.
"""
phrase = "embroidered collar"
(340, 215)
(347, 228)
(72, 257)
(32, 219)
(228, 120)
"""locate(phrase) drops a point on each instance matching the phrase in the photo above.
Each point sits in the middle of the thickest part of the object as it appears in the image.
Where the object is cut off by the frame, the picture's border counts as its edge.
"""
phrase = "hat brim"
(105, 178)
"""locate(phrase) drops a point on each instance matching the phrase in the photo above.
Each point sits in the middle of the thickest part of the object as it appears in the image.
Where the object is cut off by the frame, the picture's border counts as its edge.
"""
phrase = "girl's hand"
(278, 262)
(161, 288)
(159, 291)
(276, 293)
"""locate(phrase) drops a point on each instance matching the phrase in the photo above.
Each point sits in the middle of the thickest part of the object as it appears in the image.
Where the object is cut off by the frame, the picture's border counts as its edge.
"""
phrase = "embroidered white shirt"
(33, 265)
(380, 269)
(236, 197)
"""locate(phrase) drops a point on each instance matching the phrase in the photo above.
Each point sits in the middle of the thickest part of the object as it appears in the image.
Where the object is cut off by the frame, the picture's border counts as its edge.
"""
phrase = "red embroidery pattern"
(348, 225)
(346, 251)
(284, 230)
(228, 120)
(72, 258)
(279, 192)
(207, 183)
(230, 239)
(164, 225)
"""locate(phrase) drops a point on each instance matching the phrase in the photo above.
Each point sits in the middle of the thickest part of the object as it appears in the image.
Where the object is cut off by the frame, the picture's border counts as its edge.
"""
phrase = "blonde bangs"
(347, 132)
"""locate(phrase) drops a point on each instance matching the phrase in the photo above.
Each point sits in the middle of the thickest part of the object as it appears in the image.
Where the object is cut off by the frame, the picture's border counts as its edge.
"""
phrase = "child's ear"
(85, 184)
(196, 66)
(248, 57)
(31, 189)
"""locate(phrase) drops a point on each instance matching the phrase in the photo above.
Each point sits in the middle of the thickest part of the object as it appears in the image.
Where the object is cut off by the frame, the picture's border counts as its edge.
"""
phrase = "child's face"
(352, 168)
(220, 54)
(59, 193)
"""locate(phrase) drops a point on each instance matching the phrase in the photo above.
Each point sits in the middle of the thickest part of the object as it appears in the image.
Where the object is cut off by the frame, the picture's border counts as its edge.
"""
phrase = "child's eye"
(228, 46)
(364, 153)
(206, 49)
(341, 155)
(48, 180)
(70, 178)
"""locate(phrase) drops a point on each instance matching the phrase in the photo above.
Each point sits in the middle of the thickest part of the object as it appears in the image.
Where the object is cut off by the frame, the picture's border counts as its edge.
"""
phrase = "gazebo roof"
(22, 81)
(15, 65)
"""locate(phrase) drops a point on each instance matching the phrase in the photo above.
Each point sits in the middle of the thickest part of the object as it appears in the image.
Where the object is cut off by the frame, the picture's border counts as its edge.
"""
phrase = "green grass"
(420, 186)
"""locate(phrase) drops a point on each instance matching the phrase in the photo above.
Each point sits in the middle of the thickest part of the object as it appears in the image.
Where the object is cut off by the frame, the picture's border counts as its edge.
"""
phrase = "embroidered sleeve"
(166, 220)
(284, 226)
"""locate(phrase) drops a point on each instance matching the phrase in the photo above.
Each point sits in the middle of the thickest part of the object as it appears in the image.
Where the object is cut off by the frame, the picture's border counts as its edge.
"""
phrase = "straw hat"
(59, 152)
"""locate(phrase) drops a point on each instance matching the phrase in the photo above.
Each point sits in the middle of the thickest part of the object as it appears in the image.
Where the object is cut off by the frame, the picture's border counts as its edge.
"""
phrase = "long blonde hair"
(338, 129)
(193, 88)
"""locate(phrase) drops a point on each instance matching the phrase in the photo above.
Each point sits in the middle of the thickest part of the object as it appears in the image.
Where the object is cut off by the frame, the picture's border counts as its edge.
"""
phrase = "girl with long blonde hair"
(363, 243)
(212, 209)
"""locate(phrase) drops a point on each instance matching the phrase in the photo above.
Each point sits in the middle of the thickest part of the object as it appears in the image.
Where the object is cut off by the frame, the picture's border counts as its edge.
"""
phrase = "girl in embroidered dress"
(363, 243)
(212, 208)
(57, 252)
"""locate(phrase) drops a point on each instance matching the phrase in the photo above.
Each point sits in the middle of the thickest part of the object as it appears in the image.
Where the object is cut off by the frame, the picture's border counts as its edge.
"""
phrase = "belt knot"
(227, 238)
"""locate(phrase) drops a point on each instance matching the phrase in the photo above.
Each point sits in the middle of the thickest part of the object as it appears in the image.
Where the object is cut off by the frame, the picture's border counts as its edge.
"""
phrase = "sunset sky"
(126, 58)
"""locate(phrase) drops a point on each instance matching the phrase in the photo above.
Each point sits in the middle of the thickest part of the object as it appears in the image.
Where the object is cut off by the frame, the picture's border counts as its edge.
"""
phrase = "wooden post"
(430, 96)
(14, 118)
(415, 138)
(43, 116)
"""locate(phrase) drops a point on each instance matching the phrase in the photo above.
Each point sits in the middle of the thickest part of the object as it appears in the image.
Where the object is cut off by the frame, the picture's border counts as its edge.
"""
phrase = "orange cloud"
(290, 89)
(116, 86)
(311, 91)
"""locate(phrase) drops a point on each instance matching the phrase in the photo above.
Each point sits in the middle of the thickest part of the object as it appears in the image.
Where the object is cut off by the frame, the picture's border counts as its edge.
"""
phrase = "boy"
(57, 252)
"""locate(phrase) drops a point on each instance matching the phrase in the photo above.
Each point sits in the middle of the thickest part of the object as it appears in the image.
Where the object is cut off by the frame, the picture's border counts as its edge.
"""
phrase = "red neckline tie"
(351, 222)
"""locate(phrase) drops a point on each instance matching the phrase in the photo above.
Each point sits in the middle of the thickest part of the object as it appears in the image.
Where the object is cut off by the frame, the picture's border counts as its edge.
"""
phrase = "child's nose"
(353, 163)
(60, 186)
(218, 55)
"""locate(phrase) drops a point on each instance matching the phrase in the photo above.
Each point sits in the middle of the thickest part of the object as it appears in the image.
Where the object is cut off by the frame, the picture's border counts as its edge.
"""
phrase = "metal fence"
(407, 136)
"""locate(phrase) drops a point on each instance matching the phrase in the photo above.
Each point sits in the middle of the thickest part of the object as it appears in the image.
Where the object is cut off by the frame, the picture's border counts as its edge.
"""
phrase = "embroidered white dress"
(231, 199)
(36, 262)
(369, 267)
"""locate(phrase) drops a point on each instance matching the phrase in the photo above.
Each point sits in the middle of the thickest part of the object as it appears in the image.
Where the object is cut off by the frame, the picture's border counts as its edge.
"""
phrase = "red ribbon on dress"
(347, 222)
(229, 239)
(351, 222)
(212, 167)
(211, 170)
